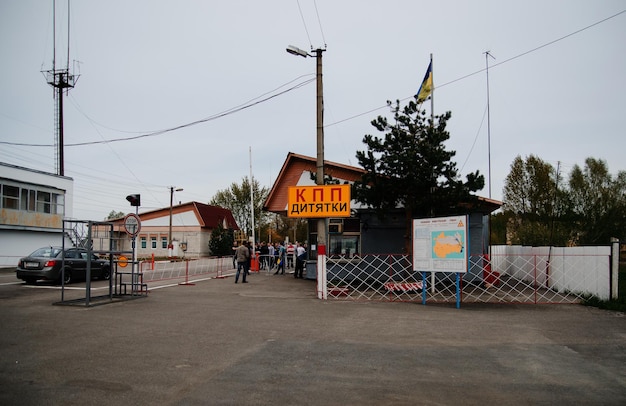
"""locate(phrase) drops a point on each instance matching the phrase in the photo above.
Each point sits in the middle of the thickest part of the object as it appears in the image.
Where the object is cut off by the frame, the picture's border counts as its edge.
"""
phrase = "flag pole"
(432, 93)
(432, 126)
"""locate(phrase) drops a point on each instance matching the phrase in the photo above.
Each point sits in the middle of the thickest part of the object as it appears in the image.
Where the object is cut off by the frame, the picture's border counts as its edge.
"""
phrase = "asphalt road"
(272, 342)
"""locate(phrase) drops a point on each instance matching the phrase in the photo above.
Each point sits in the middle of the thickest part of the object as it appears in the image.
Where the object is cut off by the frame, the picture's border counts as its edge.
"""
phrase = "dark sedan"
(48, 263)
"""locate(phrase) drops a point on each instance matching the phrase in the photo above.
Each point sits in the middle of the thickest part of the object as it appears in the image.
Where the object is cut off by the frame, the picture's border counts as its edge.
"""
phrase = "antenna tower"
(61, 81)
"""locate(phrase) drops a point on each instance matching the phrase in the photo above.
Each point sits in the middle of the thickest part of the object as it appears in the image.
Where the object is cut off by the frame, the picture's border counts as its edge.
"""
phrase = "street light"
(321, 222)
(170, 243)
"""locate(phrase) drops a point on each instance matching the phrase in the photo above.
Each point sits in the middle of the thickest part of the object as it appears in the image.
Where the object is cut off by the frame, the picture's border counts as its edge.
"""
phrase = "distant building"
(33, 205)
(192, 225)
(364, 232)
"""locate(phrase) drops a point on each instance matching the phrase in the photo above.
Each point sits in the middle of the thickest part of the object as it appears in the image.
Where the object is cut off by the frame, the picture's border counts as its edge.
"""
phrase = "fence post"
(219, 271)
(187, 275)
(614, 269)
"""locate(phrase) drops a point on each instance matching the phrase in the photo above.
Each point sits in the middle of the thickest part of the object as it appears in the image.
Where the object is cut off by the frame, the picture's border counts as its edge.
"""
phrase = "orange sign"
(319, 201)
(122, 261)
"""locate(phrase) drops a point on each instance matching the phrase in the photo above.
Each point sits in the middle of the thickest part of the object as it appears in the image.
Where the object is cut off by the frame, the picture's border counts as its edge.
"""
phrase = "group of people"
(270, 256)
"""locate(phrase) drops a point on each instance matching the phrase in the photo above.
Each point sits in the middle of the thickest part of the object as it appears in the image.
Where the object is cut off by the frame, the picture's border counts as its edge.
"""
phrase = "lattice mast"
(61, 81)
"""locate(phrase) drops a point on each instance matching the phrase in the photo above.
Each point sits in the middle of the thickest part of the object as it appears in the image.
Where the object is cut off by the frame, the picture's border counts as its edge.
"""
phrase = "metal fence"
(510, 275)
(212, 267)
(535, 276)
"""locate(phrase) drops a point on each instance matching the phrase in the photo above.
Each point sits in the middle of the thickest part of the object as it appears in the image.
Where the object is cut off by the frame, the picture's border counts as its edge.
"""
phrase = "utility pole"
(170, 243)
(321, 222)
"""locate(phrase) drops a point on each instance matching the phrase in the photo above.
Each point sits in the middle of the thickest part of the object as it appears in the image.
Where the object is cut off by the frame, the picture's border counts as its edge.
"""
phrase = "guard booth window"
(344, 237)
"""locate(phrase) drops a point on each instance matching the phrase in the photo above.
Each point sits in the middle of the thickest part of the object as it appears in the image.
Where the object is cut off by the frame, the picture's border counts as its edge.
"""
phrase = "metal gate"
(504, 278)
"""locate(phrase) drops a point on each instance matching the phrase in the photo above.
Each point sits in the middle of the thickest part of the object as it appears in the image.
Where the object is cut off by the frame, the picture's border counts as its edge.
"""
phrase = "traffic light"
(135, 200)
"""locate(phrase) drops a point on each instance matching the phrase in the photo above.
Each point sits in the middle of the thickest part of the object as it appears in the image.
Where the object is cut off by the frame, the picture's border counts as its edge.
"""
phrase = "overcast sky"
(150, 65)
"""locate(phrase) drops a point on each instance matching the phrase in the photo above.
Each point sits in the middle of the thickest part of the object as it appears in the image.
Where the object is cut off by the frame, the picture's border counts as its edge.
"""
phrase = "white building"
(33, 205)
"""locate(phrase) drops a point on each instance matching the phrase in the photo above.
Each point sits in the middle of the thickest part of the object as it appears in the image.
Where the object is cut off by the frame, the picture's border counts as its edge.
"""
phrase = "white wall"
(17, 244)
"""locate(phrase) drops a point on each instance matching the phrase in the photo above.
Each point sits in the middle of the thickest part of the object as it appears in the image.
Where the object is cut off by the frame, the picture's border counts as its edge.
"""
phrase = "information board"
(440, 244)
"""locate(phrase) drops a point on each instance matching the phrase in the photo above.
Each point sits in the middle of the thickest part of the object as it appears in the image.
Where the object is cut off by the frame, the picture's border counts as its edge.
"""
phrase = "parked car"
(46, 263)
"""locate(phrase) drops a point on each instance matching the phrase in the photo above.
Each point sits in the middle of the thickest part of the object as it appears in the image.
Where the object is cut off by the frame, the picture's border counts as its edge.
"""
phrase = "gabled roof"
(208, 216)
(212, 215)
(295, 172)
(297, 167)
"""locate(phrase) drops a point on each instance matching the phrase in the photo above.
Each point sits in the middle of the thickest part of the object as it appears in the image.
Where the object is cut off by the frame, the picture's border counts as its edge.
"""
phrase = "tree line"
(543, 207)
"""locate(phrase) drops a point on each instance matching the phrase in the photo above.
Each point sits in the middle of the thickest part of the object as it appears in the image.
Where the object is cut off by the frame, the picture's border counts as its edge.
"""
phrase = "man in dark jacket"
(243, 260)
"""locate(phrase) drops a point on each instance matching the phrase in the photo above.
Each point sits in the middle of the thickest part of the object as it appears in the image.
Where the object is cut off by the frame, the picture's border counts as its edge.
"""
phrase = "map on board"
(448, 244)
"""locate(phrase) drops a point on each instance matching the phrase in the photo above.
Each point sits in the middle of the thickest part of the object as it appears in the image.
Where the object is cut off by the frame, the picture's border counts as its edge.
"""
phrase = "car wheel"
(106, 274)
(67, 277)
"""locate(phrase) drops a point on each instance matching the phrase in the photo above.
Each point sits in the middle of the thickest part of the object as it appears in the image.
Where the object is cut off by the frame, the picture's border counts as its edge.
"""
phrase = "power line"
(492, 66)
(225, 113)
(304, 24)
(249, 104)
(319, 22)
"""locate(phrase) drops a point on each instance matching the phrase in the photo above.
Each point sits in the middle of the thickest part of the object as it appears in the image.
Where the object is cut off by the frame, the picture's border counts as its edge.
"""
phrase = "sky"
(216, 73)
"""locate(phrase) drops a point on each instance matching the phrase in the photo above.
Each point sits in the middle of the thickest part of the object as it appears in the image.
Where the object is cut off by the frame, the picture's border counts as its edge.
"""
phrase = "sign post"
(132, 225)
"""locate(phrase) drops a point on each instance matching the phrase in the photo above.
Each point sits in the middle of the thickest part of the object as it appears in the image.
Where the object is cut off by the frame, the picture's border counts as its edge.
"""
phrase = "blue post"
(424, 287)
(458, 290)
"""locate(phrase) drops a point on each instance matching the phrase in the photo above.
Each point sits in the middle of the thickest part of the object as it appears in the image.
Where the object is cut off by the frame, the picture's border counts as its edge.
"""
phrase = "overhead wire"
(230, 111)
(491, 66)
(249, 104)
(475, 139)
(304, 24)
(319, 22)
(116, 154)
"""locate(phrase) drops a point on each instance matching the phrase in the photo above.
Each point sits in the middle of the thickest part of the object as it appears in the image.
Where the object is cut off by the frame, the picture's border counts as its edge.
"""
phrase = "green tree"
(535, 204)
(237, 200)
(542, 212)
(221, 241)
(410, 167)
(498, 228)
(529, 187)
(598, 202)
(115, 215)
(530, 193)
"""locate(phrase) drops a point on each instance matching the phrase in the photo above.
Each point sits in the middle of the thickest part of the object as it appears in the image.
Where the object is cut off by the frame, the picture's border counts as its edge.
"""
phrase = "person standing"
(291, 250)
(235, 246)
(300, 258)
(243, 258)
(264, 251)
(270, 256)
(281, 260)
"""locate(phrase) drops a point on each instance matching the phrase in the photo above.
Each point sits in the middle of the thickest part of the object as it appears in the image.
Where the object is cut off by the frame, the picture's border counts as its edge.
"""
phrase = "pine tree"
(221, 241)
(410, 167)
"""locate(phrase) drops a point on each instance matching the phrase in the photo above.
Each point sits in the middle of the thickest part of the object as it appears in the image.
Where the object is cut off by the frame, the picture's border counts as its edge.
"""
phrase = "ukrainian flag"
(427, 84)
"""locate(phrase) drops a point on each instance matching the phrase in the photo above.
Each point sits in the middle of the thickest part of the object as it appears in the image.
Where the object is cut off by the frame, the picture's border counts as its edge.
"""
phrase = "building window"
(58, 203)
(33, 200)
(24, 200)
(43, 202)
(144, 243)
(153, 242)
(10, 197)
(345, 246)
(163, 242)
